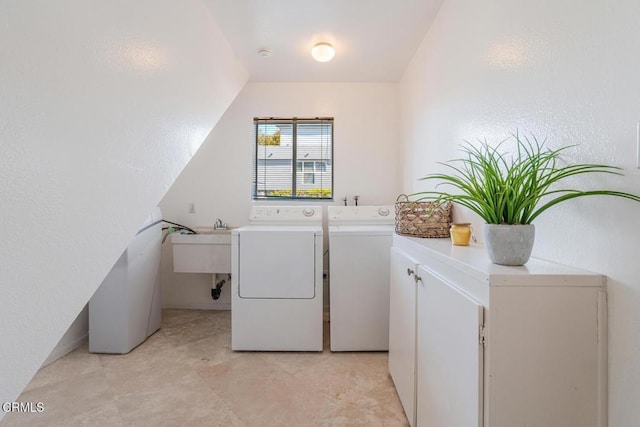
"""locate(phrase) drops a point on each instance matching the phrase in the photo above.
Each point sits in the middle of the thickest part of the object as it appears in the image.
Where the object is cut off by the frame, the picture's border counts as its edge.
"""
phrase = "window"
(283, 143)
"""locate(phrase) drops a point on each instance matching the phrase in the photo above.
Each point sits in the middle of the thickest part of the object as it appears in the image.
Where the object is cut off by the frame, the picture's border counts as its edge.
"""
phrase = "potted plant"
(510, 191)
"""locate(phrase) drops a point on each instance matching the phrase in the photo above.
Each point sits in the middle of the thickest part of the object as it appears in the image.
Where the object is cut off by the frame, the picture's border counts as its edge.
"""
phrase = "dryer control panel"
(285, 215)
(361, 215)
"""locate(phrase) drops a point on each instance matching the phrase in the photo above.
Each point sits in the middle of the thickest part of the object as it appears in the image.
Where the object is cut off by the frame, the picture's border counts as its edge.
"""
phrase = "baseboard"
(199, 306)
(63, 350)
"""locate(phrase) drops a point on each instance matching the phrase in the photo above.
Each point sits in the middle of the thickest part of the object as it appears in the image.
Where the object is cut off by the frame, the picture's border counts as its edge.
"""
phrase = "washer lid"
(361, 230)
(361, 215)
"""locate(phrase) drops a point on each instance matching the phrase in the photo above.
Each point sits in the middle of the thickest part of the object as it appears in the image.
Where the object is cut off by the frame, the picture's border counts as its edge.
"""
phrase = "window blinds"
(294, 158)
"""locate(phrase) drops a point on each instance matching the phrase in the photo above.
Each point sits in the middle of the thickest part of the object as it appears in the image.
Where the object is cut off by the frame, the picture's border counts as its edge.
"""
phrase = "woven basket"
(422, 219)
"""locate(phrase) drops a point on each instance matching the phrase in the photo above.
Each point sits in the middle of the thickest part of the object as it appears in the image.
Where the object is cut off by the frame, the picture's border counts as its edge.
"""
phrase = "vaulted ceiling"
(374, 39)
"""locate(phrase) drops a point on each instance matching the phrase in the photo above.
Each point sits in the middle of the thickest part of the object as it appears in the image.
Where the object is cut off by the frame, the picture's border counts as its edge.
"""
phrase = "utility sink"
(207, 238)
(220, 231)
(207, 252)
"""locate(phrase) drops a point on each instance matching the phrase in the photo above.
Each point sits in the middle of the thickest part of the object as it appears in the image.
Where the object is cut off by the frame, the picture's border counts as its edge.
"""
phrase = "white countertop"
(473, 261)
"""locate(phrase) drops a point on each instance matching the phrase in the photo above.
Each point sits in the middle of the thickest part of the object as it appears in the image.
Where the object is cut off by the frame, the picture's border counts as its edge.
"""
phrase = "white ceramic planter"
(509, 244)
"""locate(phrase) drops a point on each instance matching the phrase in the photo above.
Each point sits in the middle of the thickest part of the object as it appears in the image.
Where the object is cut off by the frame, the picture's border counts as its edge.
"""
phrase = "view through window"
(294, 158)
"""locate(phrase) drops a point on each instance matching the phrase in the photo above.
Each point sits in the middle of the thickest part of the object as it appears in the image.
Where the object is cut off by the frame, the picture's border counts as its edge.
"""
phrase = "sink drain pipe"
(217, 287)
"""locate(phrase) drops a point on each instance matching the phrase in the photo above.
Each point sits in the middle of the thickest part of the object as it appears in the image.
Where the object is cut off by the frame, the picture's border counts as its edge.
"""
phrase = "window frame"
(293, 121)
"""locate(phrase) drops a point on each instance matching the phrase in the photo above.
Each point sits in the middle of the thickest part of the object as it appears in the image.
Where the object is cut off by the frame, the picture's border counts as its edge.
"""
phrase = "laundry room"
(250, 213)
(365, 120)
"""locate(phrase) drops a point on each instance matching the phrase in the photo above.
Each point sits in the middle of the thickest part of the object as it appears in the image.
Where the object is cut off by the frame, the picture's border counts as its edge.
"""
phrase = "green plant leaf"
(513, 188)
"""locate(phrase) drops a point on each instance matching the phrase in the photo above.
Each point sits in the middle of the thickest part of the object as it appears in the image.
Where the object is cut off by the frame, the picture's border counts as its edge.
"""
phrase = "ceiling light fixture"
(322, 52)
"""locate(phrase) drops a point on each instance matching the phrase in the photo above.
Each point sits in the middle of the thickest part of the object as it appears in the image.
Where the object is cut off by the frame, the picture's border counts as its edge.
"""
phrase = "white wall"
(218, 179)
(564, 70)
(76, 335)
(101, 106)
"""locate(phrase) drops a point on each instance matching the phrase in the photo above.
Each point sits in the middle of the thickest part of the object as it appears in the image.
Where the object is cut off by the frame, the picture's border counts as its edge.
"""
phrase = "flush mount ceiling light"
(322, 52)
(265, 53)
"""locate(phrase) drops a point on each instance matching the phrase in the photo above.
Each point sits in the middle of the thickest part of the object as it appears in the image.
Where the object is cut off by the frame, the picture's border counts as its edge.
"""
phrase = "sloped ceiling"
(101, 107)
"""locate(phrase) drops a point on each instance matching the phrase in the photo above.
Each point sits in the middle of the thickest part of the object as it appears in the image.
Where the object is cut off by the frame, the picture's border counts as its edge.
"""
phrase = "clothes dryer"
(276, 280)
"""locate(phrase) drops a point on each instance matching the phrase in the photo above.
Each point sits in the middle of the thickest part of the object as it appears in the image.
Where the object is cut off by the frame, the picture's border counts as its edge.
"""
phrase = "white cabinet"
(450, 365)
(402, 330)
(493, 345)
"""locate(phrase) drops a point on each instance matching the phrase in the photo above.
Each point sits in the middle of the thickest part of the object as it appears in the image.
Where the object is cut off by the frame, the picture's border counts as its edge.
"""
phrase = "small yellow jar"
(460, 233)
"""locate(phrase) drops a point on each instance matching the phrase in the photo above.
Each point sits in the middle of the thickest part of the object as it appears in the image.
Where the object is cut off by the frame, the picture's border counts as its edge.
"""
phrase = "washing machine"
(276, 280)
(360, 238)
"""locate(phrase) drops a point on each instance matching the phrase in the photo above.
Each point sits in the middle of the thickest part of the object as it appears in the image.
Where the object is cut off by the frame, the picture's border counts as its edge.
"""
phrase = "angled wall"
(102, 104)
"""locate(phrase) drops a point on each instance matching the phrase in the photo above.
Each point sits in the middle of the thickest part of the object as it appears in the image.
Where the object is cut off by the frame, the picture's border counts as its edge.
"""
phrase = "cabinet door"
(449, 357)
(402, 329)
(544, 368)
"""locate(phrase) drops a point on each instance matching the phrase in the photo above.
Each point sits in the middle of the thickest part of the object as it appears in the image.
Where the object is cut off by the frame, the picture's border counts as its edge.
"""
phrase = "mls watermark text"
(29, 407)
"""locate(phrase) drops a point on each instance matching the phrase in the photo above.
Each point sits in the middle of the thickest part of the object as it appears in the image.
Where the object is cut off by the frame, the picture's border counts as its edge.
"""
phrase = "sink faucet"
(218, 225)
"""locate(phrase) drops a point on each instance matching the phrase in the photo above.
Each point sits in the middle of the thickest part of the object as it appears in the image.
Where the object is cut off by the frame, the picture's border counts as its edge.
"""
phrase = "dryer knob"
(383, 211)
(308, 212)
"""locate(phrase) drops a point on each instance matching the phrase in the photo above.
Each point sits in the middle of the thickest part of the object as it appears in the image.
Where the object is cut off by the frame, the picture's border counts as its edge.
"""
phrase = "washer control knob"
(383, 212)
(308, 212)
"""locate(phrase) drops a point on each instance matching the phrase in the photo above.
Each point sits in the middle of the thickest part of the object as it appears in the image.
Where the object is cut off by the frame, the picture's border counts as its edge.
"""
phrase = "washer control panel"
(355, 215)
(285, 214)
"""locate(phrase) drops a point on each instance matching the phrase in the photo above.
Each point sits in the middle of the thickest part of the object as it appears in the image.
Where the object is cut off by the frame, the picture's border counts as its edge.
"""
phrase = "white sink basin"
(209, 238)
(202, 253)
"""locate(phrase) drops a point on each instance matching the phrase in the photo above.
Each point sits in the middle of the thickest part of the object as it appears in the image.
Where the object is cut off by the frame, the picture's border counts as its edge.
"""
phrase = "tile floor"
(187, 375)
